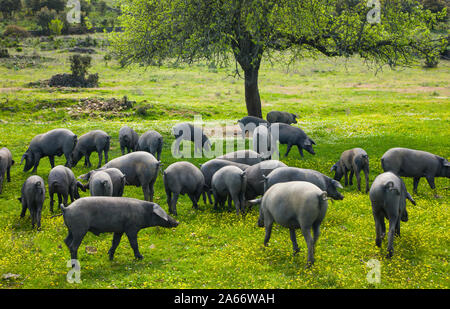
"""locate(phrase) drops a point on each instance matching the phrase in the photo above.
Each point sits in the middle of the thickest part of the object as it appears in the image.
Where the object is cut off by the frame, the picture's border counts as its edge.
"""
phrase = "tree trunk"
(252, 99)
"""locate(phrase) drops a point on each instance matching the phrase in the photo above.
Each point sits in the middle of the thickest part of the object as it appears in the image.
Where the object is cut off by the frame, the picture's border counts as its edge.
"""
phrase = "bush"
(16, 31)
(4, 53)
(44, 17)
(79, 64)
(55, 26)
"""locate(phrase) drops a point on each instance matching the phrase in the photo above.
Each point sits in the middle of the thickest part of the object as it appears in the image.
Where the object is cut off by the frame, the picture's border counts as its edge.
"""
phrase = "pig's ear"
(324, 196)
(255, 202)
(311, 140)
(157, 210)
(337, 184)
(12, 162)
(307, 142)
(444, 162)
(333, 168)
(81, 186)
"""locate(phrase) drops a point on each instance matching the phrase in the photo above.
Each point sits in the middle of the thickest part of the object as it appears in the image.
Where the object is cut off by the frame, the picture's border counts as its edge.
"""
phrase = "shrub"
(55, 26)
(16, 31)
(79, 64)
(4, 53)
(44, 17)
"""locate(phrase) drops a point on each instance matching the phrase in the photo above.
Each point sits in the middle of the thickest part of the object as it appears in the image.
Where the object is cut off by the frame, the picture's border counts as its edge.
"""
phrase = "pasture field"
(341, 103)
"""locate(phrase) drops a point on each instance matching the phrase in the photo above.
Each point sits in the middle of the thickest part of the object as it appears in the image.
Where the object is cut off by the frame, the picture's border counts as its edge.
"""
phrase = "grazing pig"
(249, 123)
(100, 184)
(256, 174)
(116, 215)
(291, 136)
(32, 198)
(354, 160)
(183, 178)
(282, 117)
(6, 162)
(186, 131)
(229, 182)
(295, 204)
(210, 167)
(248, 157)
(388, 196)
(117, 179)
(128, 139)
(152, 142)
(263, 141)
(96, 140)
(61, 181)
(53, 143)
(285, 174)
(415, 163)
(140, 169)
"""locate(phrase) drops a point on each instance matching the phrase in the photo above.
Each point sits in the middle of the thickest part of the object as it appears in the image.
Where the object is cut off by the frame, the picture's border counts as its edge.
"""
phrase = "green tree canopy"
(246, 30)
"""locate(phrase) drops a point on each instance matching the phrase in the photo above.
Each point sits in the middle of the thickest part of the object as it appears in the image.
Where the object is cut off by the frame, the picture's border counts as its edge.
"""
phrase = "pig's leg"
(350, 178)
(68, 160)
(60, 200)
(379, 223)
(52, 161)
(77, 238)
(151, 190)
(132, 238)
(345, 177)
(194, 200)
(38, 217)
(306, 231)
(209, 197)
(416, 184)
(288, 149)
(316, 232)
(366, 175)
(37, 158)
(115, 243)
(85, 161)
(392, 226)
(100, 158)
(8, 175)
(122, 149)
(51, 194)
(169, 199)
(68, 239)
(430, 180)
(294, 240)
(216, 198)
(173, 207)
(65, 198)
(300, 151)
(268, 223)
(229, 202)
(106, 156)
(24, 208)
(358, 179)
(237, 203)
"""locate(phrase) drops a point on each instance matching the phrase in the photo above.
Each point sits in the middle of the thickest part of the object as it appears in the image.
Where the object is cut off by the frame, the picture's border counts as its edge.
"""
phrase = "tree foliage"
(245, 30)
(7, 7)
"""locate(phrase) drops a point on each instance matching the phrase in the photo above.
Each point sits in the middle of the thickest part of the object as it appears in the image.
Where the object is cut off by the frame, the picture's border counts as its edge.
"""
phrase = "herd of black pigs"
(293, 197)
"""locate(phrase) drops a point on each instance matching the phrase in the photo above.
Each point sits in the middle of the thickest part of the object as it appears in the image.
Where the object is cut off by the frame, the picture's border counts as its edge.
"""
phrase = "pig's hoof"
(437, 196)
(295, 252)
(139, 257)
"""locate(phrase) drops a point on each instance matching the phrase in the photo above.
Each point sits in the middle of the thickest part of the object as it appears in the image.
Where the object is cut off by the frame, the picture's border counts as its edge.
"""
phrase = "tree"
(7, 7)
(246, 30)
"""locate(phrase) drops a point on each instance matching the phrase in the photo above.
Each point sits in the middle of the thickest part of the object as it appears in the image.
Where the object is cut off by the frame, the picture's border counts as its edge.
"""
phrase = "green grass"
(341, 105)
